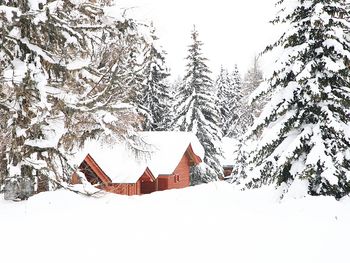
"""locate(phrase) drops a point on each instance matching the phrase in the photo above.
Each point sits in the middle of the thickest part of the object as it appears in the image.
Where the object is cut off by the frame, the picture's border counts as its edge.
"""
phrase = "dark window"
(176, 178)
(89, 174)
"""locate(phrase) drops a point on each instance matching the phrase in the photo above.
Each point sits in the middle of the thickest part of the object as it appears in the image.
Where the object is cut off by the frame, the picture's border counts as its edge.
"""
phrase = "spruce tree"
(232, 102)
(55, 90)
(196, 108)
(222, 86)
(252, 81)
(305, 139)
(156, 95)
(248, 111)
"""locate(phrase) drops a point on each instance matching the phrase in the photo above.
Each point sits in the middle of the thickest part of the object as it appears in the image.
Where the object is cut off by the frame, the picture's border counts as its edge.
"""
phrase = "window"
(176, 178)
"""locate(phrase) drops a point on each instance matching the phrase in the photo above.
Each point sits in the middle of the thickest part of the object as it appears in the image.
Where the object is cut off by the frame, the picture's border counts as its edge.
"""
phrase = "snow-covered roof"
(163, 152)
(168, 148)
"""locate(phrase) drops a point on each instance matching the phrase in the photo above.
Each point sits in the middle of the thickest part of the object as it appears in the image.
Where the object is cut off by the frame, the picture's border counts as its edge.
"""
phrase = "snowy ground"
(208, 223)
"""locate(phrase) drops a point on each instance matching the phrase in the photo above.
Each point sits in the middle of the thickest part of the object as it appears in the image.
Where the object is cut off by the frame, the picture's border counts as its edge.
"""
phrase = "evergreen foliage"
(196, 109)
(156, 95)
(228, 87)
(247, 110)
(252, 80)
(58, 86)
(305, 136)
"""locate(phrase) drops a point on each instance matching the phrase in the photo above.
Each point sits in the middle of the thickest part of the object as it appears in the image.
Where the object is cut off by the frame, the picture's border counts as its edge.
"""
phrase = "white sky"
(232, 31)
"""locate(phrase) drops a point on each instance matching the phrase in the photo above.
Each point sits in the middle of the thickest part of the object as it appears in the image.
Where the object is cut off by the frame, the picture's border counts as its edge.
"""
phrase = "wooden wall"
(144, 185)
(148, 187)
(180, 177)
(121, 189)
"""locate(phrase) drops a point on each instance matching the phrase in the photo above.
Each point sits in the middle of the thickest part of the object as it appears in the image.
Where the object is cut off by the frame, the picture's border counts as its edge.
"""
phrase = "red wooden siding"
(180, 178)
(148, 187)
(145, 185)
(122, 189)
(162, 182)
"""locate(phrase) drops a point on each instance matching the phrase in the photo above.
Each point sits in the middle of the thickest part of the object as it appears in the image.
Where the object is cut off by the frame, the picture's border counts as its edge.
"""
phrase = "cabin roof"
(168, 149)
(161, 152)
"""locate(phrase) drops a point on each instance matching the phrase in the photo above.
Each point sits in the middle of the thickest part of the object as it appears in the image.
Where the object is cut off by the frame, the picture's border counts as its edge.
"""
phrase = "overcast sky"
(232, 31)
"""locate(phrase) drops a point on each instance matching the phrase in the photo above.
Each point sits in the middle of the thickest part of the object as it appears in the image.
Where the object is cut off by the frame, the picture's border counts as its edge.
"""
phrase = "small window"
(176, 178)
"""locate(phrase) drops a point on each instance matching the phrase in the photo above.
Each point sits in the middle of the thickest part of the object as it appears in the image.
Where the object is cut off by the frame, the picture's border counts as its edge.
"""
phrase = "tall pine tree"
(305, 141)
(196, 108)
(155, 97)
(247, 111)
(230, 96)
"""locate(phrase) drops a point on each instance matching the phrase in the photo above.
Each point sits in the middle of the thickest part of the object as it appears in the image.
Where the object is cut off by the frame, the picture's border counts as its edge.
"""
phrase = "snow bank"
(208, 223)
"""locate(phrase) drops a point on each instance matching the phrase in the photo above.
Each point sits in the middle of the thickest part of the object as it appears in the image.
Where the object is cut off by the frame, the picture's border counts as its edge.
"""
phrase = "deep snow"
(207, 223)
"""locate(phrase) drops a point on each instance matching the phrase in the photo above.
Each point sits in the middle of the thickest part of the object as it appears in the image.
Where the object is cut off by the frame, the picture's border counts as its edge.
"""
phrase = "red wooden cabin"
(96, 176)
(168, 166)
(180, 176)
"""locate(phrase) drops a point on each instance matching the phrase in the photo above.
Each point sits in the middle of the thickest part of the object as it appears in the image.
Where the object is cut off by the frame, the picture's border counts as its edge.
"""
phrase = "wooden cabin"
(115, 170)
(180, 176)
(96, 176)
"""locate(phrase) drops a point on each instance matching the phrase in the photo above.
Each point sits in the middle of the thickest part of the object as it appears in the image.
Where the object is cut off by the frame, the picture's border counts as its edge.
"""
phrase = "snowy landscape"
(208, 223)
(144, 130)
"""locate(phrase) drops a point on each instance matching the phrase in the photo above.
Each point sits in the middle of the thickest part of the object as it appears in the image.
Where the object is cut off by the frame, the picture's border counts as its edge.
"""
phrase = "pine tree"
(196, 108)
(232, 102)
(174, 93)
(246, 111)
(54, 90)
(156, 95)
(222, 86)
(252, 80)
(305, 137)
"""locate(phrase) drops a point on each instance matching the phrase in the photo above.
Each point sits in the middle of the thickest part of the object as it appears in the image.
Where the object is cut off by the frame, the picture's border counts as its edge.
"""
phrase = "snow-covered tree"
(222, 88)
(230, 101)
(305, 135)
(52, 86)
(252, 80)
(247, 112)
(156, 95)
(227, 87)
(196, 108)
